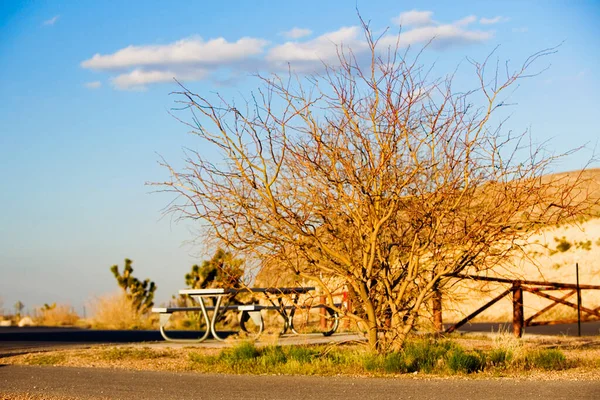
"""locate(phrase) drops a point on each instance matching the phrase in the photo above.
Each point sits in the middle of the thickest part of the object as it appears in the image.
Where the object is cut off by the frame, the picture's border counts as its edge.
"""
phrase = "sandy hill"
(551, 256)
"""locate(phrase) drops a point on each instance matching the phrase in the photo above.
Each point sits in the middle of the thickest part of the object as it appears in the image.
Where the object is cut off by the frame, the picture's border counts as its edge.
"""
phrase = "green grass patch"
(548, 359)
(131, 353)
(46, 359)
(302, 354)
(459, 360)
(423, 356)
(244, 351)
(499, 357)
(426, 355)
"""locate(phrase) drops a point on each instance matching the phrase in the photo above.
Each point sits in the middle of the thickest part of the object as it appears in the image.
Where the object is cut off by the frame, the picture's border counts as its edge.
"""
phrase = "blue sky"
(85, 88)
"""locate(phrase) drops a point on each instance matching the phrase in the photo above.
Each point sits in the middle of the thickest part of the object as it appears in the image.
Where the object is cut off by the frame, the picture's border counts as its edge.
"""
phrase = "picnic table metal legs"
(329, 314)
(216, 311)
(164, 318)
(288, 313)
(277, 303)
(256, 318)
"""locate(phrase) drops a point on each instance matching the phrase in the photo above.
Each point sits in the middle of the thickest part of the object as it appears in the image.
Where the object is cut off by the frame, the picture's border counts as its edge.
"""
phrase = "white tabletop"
(222, 291)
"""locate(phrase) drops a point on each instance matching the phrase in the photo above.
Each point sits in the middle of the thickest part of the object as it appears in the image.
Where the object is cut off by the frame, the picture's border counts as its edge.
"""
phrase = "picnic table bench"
(275, 296)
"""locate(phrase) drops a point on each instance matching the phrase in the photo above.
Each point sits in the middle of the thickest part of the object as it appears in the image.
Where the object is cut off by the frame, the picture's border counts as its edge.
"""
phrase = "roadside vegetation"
(418, 356)
(475, 357)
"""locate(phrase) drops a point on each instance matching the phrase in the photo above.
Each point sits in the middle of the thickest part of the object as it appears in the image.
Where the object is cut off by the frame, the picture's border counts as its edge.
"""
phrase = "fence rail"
(517, 288)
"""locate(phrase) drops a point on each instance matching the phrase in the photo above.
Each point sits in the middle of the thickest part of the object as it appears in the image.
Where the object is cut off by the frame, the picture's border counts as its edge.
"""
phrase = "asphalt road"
(88, 383)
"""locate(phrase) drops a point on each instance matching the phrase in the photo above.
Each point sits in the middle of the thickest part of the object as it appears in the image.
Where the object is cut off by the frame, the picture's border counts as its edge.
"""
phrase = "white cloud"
(414, 18)
(186, 59)
(296, 33)
(183, 52)
(93, 85)
(443, 36)
(520, 30)
(192, 59)
(139, 78)
(310, 54)
(465, 21)
(322, 48)
(495, 20)
(51, 21)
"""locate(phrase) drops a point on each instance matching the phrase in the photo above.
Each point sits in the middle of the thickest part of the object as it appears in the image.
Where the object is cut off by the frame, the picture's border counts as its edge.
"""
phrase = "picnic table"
(284, 300)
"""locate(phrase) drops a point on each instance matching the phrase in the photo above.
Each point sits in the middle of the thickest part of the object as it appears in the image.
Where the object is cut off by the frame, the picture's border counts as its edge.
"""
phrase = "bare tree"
(373, 175)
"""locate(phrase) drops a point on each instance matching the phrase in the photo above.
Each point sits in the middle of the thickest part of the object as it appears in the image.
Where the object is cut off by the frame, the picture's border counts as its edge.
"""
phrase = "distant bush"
(587, 245)
(56, 315)
(117, 311)
(562, 245)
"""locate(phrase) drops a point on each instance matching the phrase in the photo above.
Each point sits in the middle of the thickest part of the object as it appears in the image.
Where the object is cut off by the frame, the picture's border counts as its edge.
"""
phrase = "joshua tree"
(140, 293)
(222, 270)
(19, 307)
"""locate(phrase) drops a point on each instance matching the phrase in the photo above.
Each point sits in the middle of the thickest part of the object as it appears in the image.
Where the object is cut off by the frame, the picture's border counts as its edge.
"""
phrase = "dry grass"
(116, 311)
(60, 315)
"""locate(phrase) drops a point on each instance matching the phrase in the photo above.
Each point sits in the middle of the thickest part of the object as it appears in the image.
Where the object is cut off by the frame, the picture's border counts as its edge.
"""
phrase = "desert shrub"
(117, 311)
(56, 315)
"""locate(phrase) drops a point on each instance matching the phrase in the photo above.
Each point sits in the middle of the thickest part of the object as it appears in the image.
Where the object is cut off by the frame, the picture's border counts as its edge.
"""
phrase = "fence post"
(578, 301)
(517, 309)
(437, 311)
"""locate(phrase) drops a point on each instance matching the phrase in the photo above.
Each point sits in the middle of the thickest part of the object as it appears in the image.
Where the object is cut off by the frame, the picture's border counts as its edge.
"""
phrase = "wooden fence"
(517, 287)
